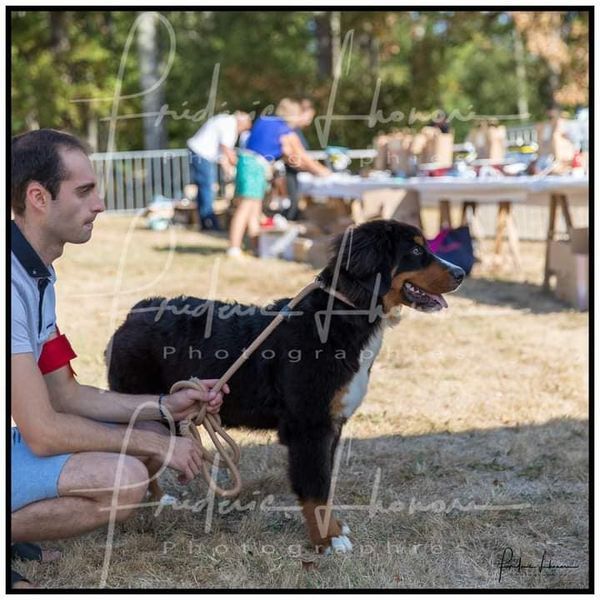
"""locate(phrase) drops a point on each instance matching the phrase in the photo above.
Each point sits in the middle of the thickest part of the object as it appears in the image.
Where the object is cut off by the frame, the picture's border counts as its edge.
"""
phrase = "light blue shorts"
(251, 176)
(33, 478)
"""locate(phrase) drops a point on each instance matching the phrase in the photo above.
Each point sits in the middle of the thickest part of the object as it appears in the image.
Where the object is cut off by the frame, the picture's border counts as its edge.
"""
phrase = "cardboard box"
(552, 140)
(569, 261)
(327, 216)
(301, 248)
(390, 203)
(438, 147)
(401, 158)
(318, 253)
(380, 143)
(314, 251)
(277, 243)
(489, 141)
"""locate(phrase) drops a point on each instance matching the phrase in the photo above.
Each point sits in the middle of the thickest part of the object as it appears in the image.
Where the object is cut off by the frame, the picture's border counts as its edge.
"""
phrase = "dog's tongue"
(439, 299)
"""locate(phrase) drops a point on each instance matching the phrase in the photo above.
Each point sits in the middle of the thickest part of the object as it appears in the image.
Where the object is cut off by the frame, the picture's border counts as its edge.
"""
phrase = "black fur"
(280, 393)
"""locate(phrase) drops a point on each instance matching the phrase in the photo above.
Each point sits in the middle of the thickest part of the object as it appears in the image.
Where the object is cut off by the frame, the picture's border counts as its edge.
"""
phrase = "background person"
(271, 138)
(214, 142)
(307, 115)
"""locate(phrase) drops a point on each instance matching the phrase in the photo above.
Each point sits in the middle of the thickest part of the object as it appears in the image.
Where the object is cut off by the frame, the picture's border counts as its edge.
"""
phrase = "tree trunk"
(335, 27)
(92, 130)
(147, 42)
(323, 33)
(522, 104)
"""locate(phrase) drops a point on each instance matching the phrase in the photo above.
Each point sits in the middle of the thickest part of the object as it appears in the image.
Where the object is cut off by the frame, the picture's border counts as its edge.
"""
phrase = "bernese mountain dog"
(312, 373)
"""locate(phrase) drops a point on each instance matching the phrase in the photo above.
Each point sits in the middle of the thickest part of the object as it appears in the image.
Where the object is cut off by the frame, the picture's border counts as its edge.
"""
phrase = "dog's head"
(392, 261)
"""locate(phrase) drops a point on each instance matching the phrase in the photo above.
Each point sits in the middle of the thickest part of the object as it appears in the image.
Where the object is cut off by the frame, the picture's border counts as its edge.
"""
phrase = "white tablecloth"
(431, 189)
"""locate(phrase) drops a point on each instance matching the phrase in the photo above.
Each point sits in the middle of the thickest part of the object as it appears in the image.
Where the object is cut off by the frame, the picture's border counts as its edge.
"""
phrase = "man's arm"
(49, 432)
(68, 396)
(229, 154)
(295, 155)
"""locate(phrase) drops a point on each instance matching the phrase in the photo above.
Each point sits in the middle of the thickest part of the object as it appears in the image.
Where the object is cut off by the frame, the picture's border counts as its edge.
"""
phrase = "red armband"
(56, 354)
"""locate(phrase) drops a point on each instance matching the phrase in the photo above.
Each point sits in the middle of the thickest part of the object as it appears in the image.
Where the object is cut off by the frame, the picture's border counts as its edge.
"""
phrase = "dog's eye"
(416, 251)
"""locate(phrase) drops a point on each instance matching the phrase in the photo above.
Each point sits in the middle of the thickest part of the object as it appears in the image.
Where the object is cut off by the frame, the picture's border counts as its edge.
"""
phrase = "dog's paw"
(168, 500)
(339, 544)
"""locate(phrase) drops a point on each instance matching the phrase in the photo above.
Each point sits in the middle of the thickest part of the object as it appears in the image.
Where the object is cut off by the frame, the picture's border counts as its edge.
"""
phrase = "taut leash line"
(212, 423)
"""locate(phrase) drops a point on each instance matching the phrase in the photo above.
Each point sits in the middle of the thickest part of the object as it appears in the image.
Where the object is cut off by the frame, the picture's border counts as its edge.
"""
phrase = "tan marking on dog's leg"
(337, 404)
(322, 525)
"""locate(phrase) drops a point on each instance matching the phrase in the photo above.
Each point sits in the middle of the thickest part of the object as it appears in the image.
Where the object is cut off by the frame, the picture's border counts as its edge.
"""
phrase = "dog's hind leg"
(310, 473)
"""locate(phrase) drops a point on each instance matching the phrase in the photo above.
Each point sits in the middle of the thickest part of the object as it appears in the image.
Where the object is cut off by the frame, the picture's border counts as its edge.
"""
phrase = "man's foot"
(30, 551)
(210, 223)
(18, 582)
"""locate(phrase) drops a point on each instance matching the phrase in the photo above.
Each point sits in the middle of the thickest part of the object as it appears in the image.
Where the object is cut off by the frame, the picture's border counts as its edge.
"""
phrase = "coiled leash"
(212, 423)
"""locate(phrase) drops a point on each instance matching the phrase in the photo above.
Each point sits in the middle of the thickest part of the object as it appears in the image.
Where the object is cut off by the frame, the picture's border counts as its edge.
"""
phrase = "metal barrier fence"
(130, 180)
(577, 130)
(521, 135)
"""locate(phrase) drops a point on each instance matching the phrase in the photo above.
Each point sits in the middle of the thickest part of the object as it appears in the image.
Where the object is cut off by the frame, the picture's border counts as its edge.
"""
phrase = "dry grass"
(485, 403)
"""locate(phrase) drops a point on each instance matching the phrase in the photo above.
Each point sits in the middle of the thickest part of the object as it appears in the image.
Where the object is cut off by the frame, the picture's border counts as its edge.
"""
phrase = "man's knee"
(133, 480)
(97, 475)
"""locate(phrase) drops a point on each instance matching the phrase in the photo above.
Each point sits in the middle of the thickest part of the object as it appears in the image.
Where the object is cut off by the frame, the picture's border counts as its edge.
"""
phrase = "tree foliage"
(415, 62)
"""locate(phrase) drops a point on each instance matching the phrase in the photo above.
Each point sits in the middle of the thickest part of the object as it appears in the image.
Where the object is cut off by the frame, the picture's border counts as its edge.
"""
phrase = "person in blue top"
(271, 138)
(291, 174)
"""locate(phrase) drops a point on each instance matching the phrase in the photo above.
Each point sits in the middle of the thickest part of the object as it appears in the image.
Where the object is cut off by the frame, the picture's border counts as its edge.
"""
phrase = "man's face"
(308, 114)
(71, 214)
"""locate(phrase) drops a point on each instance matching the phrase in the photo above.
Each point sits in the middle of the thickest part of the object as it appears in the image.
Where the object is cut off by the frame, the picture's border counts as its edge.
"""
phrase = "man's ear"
(37, 196)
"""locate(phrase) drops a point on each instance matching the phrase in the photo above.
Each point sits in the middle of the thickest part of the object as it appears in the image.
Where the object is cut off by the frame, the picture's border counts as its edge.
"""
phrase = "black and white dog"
(311, 374)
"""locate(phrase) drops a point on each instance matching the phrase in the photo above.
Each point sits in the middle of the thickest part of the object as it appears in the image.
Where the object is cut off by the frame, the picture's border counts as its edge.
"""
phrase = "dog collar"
(335, 293)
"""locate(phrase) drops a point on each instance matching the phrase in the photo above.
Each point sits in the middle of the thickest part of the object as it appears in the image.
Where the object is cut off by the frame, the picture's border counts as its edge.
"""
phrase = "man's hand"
(186, 402)
(324, 172)
(185, 457)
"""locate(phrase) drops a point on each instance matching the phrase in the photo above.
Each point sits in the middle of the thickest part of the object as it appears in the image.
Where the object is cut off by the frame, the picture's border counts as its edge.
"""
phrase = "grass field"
(473, 438)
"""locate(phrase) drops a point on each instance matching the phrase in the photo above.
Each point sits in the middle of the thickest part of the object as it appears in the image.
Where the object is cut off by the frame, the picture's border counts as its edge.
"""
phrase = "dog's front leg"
(310, 473)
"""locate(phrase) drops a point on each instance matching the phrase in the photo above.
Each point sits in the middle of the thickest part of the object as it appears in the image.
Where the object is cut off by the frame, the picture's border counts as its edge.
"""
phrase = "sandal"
(26, 551)
(29, 551)
(16, 578)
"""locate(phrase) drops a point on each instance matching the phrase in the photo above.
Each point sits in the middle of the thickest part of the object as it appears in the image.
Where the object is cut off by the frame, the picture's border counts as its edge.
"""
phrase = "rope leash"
(212, 423)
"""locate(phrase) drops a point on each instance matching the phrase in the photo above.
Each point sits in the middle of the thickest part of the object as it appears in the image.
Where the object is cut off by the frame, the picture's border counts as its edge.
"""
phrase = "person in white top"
(214, 141)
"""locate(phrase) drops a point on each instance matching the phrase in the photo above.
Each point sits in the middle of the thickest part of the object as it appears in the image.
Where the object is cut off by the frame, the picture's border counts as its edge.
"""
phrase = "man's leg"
(204, 172)
(152, 464)
(85, 487)
(291, 179)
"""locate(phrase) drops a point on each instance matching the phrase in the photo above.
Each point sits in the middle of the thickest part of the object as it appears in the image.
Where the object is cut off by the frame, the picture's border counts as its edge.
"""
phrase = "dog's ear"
(365, 258)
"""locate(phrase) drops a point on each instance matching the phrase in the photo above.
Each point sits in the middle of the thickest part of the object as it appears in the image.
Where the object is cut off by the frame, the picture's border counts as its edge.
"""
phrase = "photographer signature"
(507, 562)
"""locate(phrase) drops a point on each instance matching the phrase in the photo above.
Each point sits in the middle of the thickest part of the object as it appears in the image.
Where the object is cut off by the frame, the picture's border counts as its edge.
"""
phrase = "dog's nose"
(458, 274)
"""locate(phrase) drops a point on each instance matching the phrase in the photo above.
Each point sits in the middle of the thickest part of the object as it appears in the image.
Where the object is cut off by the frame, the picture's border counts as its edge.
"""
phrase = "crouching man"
(66, 446)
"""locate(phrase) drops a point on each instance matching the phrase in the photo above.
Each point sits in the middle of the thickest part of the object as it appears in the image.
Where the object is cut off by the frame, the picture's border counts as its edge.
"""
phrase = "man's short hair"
(35, 156)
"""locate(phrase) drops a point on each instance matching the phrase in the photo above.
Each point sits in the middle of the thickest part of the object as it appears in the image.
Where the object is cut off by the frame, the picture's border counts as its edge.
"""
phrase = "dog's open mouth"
(421, 300)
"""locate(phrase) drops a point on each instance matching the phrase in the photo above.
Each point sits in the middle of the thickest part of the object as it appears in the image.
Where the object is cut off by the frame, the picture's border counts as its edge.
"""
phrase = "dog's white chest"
(357, 388)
